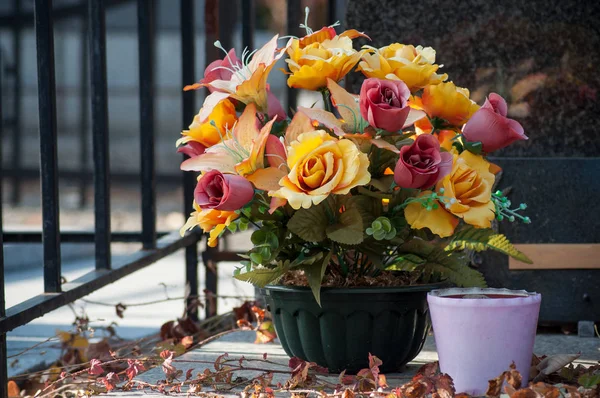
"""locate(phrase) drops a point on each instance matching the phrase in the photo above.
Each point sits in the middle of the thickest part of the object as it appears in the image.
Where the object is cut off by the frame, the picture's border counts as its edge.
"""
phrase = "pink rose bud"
(490, 126)
(221, 69)
(422, 164)
(222, 191)
(384, 103)
(192, 149)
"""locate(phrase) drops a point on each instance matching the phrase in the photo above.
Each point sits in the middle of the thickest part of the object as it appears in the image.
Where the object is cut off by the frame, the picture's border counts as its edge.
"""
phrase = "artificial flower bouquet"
(391, 186)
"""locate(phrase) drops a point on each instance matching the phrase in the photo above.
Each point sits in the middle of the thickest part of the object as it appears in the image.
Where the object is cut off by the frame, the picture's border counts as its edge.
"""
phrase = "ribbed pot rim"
(440, 297)
(359, 290)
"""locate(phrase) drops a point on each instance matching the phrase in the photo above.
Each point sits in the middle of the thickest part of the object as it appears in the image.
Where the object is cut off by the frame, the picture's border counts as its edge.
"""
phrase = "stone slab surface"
(241, 343)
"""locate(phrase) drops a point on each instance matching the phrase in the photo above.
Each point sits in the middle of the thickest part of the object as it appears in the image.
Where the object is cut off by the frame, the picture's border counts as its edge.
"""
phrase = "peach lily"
(247, 83)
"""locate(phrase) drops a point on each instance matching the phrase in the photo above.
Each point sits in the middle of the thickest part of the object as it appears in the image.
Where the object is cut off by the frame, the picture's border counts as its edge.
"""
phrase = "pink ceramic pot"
(480, 332)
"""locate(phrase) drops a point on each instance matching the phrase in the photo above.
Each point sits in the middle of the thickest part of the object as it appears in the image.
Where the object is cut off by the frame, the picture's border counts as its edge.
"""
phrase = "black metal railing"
(156, 245)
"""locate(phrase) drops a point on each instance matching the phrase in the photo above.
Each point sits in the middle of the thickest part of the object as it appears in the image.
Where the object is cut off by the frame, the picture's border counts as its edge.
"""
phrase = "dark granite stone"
(541, 55)
(561, 195)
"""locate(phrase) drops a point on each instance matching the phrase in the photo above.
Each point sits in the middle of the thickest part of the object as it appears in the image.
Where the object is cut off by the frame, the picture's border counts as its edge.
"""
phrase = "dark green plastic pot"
(389, 322)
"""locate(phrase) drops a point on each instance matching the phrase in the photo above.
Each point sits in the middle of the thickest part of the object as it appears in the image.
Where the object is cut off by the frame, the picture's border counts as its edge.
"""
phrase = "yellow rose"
(469, 189)
(224, 117)
(467, 193)
(312, 63)
(211, 220)
(448, 102)
(438, 220)
(321, 165)
(415, 66)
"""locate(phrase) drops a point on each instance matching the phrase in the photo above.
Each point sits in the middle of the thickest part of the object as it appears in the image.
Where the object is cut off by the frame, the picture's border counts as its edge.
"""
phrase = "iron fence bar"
(97, 36)
(84, 113)
(210, 264)
(248, 18)
(75, 237)
(212, 22)
(48, 155)
(146, 65)
(293, 28)
(3, 359)
(35, 307)
(17, 149)
(188, 107)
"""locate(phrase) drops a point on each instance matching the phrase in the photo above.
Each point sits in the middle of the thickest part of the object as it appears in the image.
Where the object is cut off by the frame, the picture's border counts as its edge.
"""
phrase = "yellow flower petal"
(438, 221)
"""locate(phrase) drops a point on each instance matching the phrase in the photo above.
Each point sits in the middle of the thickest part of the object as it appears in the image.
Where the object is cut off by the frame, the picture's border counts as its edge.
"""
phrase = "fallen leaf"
(95, 367)
(526, 393)
(554, 363)
(99, 350)
(429, 369)
(13, 389)
(265, 333)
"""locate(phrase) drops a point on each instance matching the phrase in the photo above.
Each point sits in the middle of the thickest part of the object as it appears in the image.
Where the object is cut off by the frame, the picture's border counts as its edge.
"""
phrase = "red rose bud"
(384, 103)
(490, 126)
(422, 164)
(222, 191)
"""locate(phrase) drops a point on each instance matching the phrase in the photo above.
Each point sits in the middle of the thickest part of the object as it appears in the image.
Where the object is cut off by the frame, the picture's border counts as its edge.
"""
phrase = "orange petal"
(353, 34)
(267, 179)
(325, 118)
(276, 203)
(345, 103)
(300, 123)
(245, 131)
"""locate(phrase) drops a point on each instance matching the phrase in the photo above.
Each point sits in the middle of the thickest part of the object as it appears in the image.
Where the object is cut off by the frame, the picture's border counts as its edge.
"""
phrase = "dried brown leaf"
(554, 363)
(347, 393)
(495, 386)
(429, 369)
(526, 393)
(415, 389)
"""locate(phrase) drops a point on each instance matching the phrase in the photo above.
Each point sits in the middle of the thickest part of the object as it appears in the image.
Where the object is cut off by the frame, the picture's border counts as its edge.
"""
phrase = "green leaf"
(407, 262)
(349, 228)
(437, 264)
(314, 274)
(383, 184)
(369, 208)
(473, 147)
(589, 380)
(482, 239)
(309, 224)
(262, 276)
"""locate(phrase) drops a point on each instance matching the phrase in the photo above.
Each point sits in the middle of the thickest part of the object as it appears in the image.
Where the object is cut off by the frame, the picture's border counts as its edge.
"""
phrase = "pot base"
(390, 323)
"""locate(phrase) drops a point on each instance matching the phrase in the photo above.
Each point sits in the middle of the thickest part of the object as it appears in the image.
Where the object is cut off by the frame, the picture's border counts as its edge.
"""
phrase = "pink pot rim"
(439, 297)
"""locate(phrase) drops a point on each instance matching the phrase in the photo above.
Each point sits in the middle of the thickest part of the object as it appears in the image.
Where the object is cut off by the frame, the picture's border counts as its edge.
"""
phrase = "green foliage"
(310, 224)
(338, 219)
(382, 229)
(314, 274)
(473, 147)
(434, 264)
(483, 239)
(589, 380)
(348, 229)
(263, 276)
